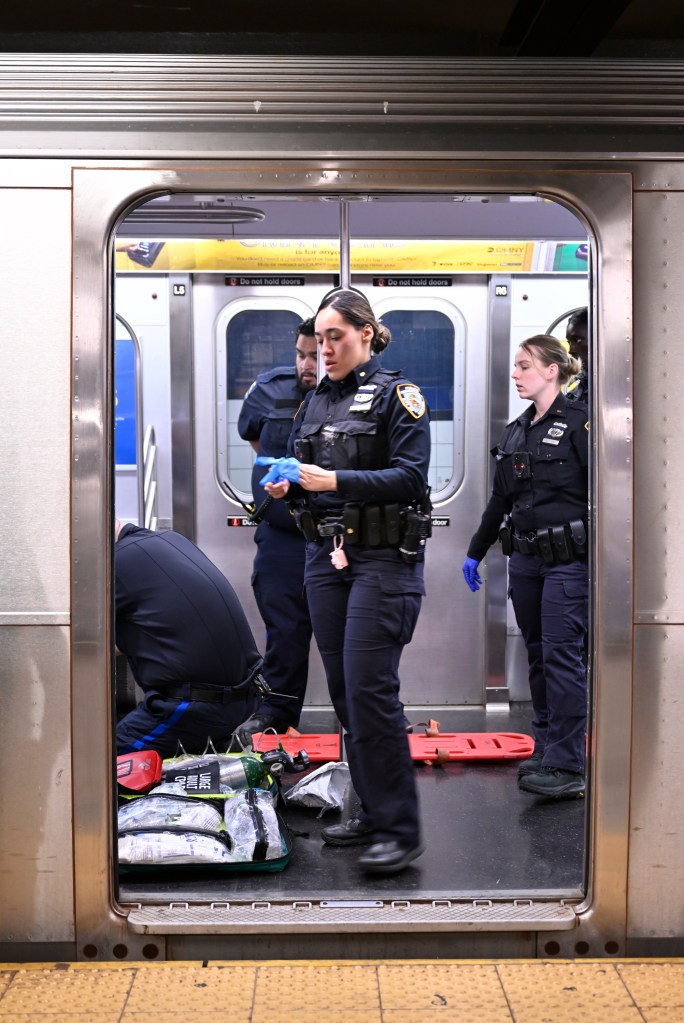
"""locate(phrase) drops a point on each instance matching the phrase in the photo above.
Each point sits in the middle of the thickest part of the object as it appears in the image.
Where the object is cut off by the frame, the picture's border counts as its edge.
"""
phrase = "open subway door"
(230, 313)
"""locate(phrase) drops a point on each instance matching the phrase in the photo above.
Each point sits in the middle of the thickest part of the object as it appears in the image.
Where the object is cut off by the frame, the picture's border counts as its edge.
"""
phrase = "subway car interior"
(208, 291)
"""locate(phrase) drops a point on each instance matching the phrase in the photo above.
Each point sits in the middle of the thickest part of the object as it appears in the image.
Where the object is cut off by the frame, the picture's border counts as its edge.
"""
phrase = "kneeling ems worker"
(188, 644)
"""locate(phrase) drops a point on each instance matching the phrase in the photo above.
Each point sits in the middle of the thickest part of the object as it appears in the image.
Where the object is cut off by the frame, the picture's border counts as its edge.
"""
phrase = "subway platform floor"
(417, 991)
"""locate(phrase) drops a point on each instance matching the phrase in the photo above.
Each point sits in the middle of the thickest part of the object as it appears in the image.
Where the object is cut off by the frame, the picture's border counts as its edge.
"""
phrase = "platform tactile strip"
(487, 991)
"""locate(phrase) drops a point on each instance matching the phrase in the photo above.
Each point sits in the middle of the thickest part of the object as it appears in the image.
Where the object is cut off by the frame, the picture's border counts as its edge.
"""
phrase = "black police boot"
(389, 857)
(258, 722)
(532, 765)
(554, 782)
(352, 832)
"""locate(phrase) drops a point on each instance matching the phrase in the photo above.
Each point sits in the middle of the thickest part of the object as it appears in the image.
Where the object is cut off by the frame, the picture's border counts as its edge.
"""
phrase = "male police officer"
(576, 334)
(188, 644)
(278, 578)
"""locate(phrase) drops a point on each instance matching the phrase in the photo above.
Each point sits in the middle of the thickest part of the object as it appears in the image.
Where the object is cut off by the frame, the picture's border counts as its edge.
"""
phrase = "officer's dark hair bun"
(382, 337)
(356, 309)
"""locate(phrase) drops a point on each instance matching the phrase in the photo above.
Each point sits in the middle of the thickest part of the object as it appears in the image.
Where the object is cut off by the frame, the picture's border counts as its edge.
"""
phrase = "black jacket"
(375, 435)
(549, 484)
(178, 619)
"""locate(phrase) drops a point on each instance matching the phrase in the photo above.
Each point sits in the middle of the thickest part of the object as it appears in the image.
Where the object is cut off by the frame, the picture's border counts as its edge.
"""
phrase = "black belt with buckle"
(555, 545)
(329, 526)
(524, 544)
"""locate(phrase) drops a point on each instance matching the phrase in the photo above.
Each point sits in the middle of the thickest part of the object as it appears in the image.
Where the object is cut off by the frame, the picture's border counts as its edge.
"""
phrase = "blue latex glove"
(471, 574)
(281, 469)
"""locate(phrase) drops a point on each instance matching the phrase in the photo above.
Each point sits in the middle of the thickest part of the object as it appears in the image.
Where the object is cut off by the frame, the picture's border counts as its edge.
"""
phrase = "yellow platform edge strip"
(321, 963)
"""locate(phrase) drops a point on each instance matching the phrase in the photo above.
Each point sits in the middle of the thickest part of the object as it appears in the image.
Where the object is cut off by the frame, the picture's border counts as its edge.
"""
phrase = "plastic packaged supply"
(171, 848)
(253, 827)
(325, 787)
(167, 806)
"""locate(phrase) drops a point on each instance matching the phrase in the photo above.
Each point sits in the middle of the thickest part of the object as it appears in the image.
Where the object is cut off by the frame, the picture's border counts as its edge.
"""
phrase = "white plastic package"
(171, 847)
(167, 806)
(325, 787)
(253, 827)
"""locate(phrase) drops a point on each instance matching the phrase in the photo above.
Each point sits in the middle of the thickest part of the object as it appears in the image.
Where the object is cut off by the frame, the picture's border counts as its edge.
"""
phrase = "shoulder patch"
(412, 399)
(586, 426)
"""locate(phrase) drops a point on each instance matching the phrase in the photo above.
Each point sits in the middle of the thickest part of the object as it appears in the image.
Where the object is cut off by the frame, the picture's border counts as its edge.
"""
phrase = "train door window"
(427, 346)
(252, 336)
(128, 424)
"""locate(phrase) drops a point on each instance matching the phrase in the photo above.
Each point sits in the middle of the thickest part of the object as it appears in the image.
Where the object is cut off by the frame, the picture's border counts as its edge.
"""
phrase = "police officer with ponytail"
(540, 494)
(363, 440)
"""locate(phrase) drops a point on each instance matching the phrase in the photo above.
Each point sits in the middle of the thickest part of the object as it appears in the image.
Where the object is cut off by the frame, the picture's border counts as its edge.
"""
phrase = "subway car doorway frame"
(101, 197)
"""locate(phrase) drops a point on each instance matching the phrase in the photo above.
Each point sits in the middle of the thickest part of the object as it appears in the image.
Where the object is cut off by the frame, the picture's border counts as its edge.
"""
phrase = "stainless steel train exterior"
(86, 140)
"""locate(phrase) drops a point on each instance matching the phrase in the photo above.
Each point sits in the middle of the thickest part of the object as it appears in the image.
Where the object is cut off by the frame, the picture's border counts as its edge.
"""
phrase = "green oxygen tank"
(214, 771)
(246, 771)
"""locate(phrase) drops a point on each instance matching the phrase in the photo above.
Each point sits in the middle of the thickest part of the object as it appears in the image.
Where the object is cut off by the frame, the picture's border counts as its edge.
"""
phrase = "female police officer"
(541, 482)
(363, 439)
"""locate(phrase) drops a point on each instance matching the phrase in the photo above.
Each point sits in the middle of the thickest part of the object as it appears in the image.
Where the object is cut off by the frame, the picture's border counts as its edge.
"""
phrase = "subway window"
(424, 347)
(250, 341)
(258, 340)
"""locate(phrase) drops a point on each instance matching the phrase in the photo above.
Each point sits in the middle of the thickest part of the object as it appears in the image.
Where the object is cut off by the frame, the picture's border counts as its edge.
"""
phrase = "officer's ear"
(367, 333)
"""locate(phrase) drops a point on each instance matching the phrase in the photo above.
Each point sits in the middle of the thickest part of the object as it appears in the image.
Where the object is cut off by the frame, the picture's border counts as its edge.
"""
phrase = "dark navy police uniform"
(187, 641)
(278, 576)
(373, 429)
(541, 481)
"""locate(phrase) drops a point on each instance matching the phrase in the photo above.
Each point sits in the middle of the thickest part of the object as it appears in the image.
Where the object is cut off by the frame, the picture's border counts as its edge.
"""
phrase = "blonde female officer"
(541, 489)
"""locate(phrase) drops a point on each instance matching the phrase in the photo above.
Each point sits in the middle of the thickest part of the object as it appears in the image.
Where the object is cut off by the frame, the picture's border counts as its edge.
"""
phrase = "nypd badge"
(411, 398)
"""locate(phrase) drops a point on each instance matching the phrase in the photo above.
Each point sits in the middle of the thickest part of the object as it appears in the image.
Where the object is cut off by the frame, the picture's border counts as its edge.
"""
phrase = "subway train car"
(168, 222)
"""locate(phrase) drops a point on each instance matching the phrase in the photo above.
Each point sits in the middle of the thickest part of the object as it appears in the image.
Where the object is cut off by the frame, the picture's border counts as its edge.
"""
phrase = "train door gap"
(212, 288)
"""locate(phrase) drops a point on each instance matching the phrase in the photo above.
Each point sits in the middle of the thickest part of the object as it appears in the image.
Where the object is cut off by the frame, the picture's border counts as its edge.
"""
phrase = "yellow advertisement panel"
(320, 256)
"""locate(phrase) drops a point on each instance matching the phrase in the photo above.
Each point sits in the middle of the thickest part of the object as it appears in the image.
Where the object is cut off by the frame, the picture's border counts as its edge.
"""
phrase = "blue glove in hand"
(471, 575)
(281, 469)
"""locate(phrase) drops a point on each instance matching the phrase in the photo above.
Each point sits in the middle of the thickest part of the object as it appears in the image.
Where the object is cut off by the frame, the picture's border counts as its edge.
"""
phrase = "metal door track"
(395, 915)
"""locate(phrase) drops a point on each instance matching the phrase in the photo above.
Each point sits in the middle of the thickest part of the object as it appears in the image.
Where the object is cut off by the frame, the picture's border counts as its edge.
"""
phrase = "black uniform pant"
(551, 609)
(164, 724)
(278, 584)
(362, 618)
